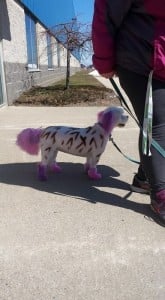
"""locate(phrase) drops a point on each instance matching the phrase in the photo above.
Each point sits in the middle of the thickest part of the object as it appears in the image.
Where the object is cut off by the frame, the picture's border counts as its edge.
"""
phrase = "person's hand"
(108, 75)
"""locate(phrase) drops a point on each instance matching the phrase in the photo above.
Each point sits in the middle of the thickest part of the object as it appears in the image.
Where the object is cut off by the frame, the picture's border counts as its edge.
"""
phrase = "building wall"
(18, 77)
(14, 53)
(41, 45)
(55, 47)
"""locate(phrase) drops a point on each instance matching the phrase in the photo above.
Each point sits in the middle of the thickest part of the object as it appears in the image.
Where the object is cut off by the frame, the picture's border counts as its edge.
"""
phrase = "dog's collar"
(101, 125)
(110, 136)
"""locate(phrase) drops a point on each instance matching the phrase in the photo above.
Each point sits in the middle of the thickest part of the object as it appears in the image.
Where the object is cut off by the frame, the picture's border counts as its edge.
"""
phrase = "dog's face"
(116, 116)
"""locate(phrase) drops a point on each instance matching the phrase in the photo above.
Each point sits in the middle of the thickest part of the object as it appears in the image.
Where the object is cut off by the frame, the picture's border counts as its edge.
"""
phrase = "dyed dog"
(87, 142)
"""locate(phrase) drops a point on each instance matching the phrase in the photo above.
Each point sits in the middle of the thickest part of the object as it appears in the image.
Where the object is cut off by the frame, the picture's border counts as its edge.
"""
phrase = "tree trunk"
(68, 69)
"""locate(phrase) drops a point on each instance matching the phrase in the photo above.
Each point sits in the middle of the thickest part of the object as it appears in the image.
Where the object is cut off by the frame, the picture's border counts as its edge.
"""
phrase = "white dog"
(87, 142)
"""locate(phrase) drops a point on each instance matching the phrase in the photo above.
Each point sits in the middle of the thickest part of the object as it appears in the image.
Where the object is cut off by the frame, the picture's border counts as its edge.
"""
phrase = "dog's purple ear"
(100, 116)
(107, 122)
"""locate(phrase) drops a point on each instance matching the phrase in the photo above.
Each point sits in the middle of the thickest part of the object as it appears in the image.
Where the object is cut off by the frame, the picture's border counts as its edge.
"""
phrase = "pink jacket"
(131, 34)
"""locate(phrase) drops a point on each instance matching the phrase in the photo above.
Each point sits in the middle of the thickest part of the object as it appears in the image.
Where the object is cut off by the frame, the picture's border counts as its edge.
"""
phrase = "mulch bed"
(56, 95)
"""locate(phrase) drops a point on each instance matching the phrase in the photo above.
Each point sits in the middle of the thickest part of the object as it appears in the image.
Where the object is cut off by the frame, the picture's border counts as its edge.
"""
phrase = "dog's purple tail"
(28, 140)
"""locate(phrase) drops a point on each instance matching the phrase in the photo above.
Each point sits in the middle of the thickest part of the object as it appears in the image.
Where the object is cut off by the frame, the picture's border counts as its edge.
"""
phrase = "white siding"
(16, 49)
(41, 45)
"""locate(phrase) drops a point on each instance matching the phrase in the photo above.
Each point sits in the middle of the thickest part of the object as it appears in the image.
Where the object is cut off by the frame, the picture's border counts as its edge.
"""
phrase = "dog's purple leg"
(42, 172)
(92, 173)
(86, 167)
(55, 168)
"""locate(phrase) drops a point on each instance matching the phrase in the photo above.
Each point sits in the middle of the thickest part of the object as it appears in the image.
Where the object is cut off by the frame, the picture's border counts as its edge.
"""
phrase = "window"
(49, 51)
(31, 41)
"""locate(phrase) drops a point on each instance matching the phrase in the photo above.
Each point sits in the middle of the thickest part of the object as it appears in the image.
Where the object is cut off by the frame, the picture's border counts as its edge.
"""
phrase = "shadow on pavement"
(74, 183)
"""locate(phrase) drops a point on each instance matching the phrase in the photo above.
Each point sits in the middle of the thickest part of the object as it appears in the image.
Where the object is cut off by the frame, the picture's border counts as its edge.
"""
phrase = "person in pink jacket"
(129, 41)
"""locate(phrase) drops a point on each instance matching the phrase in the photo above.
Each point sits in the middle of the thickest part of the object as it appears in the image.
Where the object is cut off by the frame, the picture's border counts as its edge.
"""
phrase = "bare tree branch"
(76, 38)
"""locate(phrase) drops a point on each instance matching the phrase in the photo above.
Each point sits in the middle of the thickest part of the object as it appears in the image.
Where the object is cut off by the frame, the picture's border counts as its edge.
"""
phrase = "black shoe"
(158, 206)
(140, 186)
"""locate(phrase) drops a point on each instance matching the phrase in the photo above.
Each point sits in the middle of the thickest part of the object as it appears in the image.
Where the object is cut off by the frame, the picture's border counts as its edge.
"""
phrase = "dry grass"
(84, 90)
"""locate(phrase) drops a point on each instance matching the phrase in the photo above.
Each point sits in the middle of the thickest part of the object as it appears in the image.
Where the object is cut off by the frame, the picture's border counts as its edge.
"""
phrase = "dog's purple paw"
(42, 172)
(55, 168)
(92, 173)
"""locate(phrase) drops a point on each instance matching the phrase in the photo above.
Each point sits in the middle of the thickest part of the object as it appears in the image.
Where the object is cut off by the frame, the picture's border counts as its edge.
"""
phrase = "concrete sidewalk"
(71, 238)
(106, 82)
